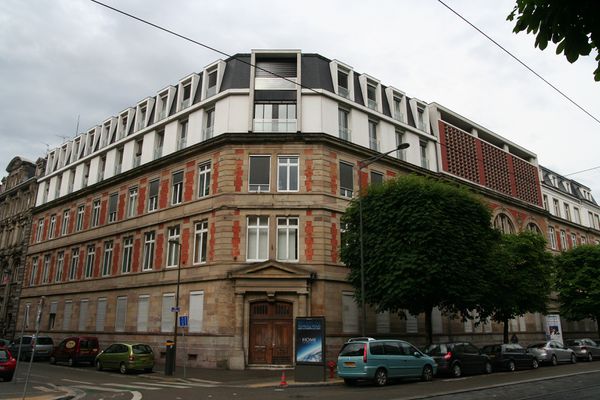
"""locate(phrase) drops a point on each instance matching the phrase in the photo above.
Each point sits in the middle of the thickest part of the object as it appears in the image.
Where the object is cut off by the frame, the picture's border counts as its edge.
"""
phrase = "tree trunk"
(505, 331)
(428, 327)
(598, 325)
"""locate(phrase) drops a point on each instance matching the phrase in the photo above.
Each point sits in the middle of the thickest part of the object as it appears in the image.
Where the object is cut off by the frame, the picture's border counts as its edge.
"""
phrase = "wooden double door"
(271, 333)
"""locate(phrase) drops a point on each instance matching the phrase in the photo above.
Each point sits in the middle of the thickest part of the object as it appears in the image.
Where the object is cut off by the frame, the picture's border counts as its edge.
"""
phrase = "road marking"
(130, 386)
(43, 389)
(100, 388)
(166, 384)
(135, 395)
(203, 381)
(83, 382)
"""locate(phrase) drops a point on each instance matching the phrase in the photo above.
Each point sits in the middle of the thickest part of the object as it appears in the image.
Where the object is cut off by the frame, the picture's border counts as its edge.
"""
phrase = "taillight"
(131, 357)
(448, 356)
(365, 353)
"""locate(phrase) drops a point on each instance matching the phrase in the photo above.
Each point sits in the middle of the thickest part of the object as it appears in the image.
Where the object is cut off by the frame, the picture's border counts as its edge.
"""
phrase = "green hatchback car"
(126, 357)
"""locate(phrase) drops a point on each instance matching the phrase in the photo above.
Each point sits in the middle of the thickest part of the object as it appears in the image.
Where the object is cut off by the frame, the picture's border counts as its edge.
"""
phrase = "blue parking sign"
(183, 321)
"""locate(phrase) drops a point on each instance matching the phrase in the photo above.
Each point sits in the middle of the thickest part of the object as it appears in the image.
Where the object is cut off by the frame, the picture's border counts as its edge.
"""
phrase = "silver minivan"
(43, 347)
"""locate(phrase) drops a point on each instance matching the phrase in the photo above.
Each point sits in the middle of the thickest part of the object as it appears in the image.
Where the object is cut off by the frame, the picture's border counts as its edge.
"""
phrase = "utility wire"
(520, 62)
(200, 44)
(582, 171)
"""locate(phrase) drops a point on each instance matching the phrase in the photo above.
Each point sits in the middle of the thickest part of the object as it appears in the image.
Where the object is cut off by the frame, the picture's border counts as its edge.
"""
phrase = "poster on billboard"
(553, 327)
(310, 340)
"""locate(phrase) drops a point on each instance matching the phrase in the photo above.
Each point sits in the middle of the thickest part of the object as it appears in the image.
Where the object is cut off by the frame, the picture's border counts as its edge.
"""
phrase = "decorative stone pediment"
(272, 277)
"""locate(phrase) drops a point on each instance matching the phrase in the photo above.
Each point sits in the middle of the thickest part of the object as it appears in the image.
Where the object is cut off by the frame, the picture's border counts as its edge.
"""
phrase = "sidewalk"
(14, 391)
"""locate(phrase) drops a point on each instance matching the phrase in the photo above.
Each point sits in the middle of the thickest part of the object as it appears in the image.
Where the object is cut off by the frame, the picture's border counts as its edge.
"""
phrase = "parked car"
(43, 347)
(4, 342)
(7, 364)
(126, 357)
(586, 349)
(458, 358)
(552, 352)
(380, 360)
(76, 349)
(509, 357)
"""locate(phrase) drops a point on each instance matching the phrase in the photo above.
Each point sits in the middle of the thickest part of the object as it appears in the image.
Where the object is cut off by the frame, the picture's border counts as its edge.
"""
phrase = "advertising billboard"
(310, 340)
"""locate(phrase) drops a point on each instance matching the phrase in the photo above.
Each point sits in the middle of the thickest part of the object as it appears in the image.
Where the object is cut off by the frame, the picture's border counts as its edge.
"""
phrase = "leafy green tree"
(425, 243)
(578, 283)
(573, 25)
(521, 277)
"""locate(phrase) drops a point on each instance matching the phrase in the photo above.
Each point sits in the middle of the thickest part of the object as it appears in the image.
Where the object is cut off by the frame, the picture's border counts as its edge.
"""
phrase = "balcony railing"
(207, 133)
(399, 116)
(345, 134)
(184, 104)
(275, 125)
(372, 104)
(344, 92)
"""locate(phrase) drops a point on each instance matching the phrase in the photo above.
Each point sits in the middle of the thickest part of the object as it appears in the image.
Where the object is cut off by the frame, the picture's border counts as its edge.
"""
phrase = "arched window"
(532, 227)
(503, 224)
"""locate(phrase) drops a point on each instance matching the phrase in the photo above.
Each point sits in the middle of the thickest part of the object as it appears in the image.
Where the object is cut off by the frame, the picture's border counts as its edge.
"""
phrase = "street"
(579, 381)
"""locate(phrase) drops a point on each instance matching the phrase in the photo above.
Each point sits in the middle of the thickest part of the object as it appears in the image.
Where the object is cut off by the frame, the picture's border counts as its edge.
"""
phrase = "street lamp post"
(171, 364)
(363, 164)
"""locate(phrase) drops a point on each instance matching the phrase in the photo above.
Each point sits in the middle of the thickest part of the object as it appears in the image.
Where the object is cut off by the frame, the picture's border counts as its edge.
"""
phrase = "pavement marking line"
(135, 395)
(194, 384)
(203, 381)
(82, 382)
(130, 386)
(43, 389)
(98, 388)
(166, 385)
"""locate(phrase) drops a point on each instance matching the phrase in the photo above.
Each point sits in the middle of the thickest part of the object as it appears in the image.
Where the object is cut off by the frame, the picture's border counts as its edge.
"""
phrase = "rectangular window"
(563, 240)
(371, 96)
(398, 114)
(349, 313)
(187, 92)
(573, 240)
(158, 144)
(260, 171)
(74, 264)
(60, 259)
(173, 246)
(423, 152)
(96, 213)
(182, 137)
(373, 139)
(597, 221)
(83, 314)
(376, 178)
(100, 314)
(287, 239)
(400, 154)
(421, 119)
(209, 126)
(148, 251)
(177, 188)
(107, 258)
(343, 88)
(584, 240)
(132, 199)
(137, 159)
(412, 323)
(346, 179)
(46, 269)
(196, 311)
(258, 239)
(142, 313)
(79, 221)
(167, 321)
(204, 179)
(127, 254)
(52, 315)
(382, 323)
(89, 261)
(275, 117)
(67, 315)
(546, 207)
(551, 238)
(287, 171)
(40, 230)
(344, 123)
(52, 226)
(200, 242)
(121, 314)
(211, 87)
(577, 215)
(556, 207)
(112, 207)
(153, 195)
(567, 211)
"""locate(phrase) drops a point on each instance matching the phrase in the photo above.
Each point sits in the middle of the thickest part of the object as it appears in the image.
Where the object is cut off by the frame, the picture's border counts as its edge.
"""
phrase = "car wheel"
(554, 360)
(535, 364)
(52, 360)
(573, 358)
(427, 374)
(98, 365)
(349, 382)
(8, 378)
(456, 370)
(590, 357)
(381, 377)
(123, 368)
(148, 369)
(511, 366)
(487, 369)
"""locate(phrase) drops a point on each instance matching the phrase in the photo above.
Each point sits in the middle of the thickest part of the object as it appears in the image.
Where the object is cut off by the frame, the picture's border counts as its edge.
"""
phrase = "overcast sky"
(61, 59)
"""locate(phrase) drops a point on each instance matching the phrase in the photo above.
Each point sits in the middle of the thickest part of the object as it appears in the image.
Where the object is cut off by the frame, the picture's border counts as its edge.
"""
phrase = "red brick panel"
(211, 241)
(308, 174)
(81, 262)
(103, 210)
(333, 175)
(215, 174)
(141, 200)
(121, 206)
(185, 246)
(364, 179)
(116, 257)
(308, 241)
(158, 261)
(87, 214)
(66, 266)
(459, 153)
(97, 260)
(390, 174)
(59, 218)
(527, 182)
(235, 241)
(46, 223)
(72, 219)
(239, 174)
(163, 195)
(136, 267)
(496, 168)
(334, 242)
(33, 232)
(188, 186)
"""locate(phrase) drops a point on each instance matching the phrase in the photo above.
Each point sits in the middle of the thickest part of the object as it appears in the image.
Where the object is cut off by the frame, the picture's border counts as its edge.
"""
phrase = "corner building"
(236, 178)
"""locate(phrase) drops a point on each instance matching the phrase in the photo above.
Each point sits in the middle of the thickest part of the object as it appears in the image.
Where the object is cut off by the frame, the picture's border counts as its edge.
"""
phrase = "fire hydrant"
(331, 365)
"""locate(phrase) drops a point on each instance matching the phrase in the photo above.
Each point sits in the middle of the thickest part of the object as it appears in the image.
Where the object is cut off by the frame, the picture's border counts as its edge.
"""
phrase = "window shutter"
(383, 322)
(142, 314)
(285, 68)
(121, 314)
(168, 317)
(67, 315)
(83, 314)
(100, 314)
(349, 313)
(196, 311)
(436, 320)
(411, 323)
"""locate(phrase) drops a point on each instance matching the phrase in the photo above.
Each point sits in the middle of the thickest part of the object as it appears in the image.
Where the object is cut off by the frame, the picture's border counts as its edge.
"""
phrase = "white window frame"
(259, 187)
(563, 240)
(132, 200)
(153, 199)
(121, 314)
(287, 168)
(196, 317)
(173, 246)
(46, 269)
(96, 212)
(149, 249)
(90, 258)
(127, 261)
(256, 227)
(287, 226)
(112, 212)
(64, 229)
(52, 226)
(346, 191)
(60, 260)
(79, 220)
(177, 188)
(74, 264)
(142, 313)
(201, 242)
(40, 230)
(107, 258)
(204, 172)
(552, 238)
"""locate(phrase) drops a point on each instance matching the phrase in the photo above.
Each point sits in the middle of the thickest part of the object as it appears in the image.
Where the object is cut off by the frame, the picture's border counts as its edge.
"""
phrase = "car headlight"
(584, 350)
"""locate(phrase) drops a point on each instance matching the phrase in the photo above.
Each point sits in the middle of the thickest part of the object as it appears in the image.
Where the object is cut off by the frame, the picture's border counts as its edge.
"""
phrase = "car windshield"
(573, 342)
(353, 349)
(437, 350)
(537, 346)
(3, 355)
(141, 349)
(44, 340)
(25, 340)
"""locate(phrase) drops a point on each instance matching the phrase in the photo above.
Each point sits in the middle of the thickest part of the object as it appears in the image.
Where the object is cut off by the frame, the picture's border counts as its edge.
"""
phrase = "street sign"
(175, 309)
(183, 321)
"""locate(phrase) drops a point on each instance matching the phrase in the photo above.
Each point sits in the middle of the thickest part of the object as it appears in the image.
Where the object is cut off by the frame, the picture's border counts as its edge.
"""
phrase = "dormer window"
(343, 88)
(105, 139)
(186, 96)
(141, 120)
(421, 119)
(211, 87)
(162, 114)
(371, 96)
(75, 152)
(123, 127)
(397, 108)
(137, 159)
